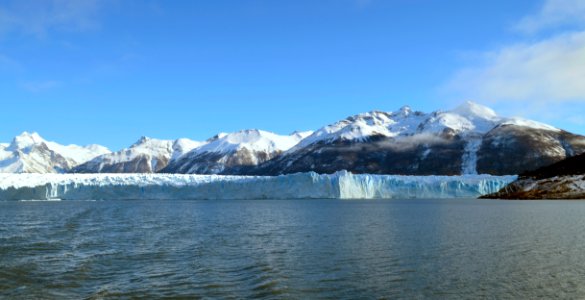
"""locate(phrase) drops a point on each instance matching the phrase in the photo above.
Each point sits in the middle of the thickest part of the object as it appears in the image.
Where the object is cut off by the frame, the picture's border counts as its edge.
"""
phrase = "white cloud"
(38, 18)
(554, 13)
(541, 76)
(551, 70)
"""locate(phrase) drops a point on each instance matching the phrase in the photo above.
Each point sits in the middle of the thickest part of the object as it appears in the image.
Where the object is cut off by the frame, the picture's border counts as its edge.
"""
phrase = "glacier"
(340, 185)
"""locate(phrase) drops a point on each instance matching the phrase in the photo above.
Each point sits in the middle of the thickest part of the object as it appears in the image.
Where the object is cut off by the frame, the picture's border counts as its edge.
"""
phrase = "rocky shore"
(562, 180)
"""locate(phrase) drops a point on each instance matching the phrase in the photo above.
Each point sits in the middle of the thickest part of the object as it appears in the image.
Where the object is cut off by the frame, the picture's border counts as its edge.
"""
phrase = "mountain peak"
(142, 140)
(471, 109)
(405, 110)
(32, 136)
(218, 136)
(250, 132)
(26, 139)
(245, 136)
(301, 134)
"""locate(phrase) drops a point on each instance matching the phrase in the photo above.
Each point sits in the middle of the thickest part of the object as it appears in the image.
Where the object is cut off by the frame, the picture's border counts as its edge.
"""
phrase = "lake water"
(297, 249)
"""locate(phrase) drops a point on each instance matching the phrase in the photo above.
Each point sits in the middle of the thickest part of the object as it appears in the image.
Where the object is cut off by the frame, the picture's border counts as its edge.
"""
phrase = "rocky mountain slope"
(234, 153)
(469, 139)
(562, 180)
(30, 153)
(147, 155)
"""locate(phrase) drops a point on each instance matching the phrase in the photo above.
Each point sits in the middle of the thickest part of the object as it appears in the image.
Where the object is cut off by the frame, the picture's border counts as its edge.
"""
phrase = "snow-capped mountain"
(469, 139)
(30, 153)
(234, 153)
(147, 155)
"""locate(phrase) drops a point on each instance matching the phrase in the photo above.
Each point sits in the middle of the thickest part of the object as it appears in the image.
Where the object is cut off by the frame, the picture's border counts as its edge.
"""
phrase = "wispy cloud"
(552, 69)
(39, 18)
(538, 72)
(39, 86)
(553, 13)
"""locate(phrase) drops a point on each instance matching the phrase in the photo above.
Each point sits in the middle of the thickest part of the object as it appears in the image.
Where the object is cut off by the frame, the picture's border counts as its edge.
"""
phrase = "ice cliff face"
(147, 155)
(30, 153)
(469, 139)
(234, 153)
(341, 185)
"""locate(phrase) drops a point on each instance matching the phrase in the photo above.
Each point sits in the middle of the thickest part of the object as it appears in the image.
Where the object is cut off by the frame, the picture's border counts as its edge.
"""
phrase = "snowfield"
(341, 185)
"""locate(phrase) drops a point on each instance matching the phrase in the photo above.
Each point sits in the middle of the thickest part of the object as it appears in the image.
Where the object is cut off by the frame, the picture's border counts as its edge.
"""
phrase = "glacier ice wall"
(366, 186)
(341, 185)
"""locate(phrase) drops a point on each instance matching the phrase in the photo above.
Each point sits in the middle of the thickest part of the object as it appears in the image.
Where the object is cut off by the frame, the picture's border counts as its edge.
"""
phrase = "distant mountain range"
(469, 139)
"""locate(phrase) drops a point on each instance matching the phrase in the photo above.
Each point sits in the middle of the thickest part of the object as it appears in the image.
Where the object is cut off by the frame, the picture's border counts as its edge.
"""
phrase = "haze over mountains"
(469, 139)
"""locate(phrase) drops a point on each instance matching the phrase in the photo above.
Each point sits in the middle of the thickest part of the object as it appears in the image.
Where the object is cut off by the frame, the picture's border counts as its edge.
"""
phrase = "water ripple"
(400, 249)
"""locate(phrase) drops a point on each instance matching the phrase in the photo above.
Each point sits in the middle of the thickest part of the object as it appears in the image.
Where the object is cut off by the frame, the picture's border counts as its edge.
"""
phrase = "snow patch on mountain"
(528, 123)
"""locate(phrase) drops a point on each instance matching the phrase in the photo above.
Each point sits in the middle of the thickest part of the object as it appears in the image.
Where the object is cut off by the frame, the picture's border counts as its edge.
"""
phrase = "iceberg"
(340, 185)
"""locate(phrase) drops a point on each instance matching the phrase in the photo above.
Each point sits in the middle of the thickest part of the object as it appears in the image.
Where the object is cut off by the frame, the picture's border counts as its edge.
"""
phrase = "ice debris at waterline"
(341, 185)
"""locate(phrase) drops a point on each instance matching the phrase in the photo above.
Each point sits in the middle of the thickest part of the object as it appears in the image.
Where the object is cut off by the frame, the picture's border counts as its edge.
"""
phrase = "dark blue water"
(293, 249)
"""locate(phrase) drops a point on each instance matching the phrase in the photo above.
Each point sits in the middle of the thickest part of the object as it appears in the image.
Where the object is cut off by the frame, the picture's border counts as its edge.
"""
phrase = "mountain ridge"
(469, 139)
(465, 140)
(147, 155)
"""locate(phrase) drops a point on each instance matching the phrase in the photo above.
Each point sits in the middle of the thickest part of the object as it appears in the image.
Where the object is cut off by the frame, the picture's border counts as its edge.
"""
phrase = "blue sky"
(108, 72)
